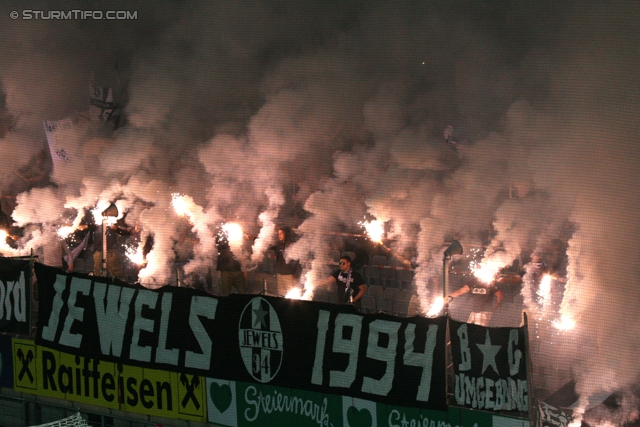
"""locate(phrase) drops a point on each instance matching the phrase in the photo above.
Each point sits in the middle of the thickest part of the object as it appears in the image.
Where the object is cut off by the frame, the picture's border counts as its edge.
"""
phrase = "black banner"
(550, 416)
(15, 296)
(298, 344)
(490, 367)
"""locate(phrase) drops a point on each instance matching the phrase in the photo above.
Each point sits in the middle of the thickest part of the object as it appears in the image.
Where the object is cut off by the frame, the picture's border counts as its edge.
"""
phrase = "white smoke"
(267, 221)
(317, 121)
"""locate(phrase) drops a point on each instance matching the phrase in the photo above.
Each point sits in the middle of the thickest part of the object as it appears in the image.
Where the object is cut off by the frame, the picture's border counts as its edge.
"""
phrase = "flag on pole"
(101, 103)
(63, 137)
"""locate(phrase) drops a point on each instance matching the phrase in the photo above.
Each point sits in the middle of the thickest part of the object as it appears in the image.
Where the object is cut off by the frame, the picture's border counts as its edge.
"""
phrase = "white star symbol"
(489, 354)
(260, 317)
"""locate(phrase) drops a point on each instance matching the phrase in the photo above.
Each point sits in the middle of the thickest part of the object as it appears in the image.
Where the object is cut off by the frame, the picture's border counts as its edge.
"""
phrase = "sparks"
(233, 231)
(545, 287)
(486, 271)
(5, 249)
(565, 323)
(436, 307)
(180, 204)
(65, 231)
(374, 229)
(135, 255)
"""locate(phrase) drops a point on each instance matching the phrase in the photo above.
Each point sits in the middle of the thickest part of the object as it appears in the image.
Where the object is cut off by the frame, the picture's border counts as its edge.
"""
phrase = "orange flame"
(486, 270)
(436, 307)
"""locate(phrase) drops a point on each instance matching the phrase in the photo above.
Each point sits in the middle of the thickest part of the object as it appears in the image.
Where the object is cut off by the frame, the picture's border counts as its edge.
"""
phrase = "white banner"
(100, 103)
(64, 137)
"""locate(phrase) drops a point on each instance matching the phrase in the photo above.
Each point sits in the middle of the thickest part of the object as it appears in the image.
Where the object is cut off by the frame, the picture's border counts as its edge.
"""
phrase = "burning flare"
(486, 271)
(135, 255)
(181, 204)
(565, 323)
(233, 231)
(65, 231)
(5, 249)
(374, 229)
(436, 307)
(3, 240)
(545, 288)
(298, 293)
(295, 293)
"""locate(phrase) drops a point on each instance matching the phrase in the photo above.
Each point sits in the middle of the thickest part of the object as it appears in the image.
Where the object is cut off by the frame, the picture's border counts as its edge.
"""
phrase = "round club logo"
(260, 338)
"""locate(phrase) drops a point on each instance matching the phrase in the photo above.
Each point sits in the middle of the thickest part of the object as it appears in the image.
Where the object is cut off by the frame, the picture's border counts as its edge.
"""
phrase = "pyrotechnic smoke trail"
(267, 221)
(347, 104)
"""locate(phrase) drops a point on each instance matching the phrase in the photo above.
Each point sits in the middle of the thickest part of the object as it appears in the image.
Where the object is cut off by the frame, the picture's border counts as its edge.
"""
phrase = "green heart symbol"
(221, 396)
(359, 417)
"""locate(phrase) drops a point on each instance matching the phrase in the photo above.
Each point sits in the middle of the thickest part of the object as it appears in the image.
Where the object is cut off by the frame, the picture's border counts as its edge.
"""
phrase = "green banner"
(238, 404)
(397, 416)
(233, 403)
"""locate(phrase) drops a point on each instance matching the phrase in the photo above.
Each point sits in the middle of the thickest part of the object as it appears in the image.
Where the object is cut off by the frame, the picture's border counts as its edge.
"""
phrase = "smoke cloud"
(317, 116)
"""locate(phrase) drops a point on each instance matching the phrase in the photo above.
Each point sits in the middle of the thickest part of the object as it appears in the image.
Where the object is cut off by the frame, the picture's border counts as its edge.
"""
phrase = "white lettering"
(385, 354)
(465, 353)
(514, 357)
(20, 299)
(163, 354)
(423, 360)
(459, 389)
(149, 299)
(112, 313)
(347, 346)
(7, 300)
(15, 301)
(50, 330)
(251, 401)
(471, 397)
(205, 307)
(480, 392)
(83, 287)
(323, 327)
(279, 403)
(395, 420)
(484, 392)
(488, 394)
(3, 295)
(499, 403)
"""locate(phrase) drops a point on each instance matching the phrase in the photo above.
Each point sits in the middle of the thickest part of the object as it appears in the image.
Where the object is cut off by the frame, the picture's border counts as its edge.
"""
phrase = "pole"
(32, 293)
(529, 361)
(454, 249)
(104, 247)
(445, 276)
